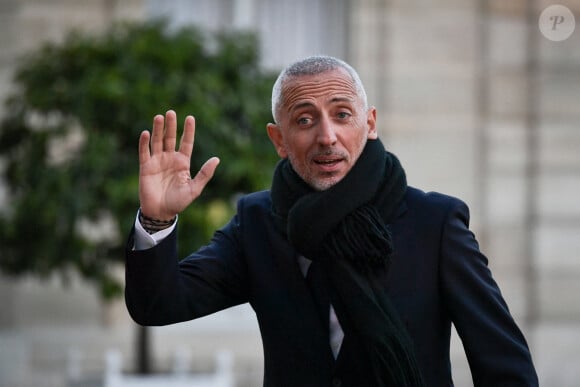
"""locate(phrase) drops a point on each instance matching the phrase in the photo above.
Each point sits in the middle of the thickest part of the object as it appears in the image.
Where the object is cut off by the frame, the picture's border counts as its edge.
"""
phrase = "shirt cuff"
(144, 240)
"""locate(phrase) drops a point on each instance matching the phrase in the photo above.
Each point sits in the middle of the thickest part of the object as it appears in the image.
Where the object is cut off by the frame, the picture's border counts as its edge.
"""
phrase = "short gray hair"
(314, 65)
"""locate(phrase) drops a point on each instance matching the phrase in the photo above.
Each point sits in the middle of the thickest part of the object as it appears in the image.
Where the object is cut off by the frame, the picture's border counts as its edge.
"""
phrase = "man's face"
(323, 127)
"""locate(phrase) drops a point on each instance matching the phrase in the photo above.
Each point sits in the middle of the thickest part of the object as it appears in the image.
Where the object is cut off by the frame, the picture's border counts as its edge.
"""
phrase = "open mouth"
(328, 164)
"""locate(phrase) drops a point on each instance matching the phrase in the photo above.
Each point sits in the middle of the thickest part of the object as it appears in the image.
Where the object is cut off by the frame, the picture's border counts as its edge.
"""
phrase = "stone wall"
(471, 97)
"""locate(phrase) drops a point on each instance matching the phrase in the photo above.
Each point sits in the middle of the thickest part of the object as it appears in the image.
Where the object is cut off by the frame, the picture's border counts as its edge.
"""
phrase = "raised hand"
(165, 184)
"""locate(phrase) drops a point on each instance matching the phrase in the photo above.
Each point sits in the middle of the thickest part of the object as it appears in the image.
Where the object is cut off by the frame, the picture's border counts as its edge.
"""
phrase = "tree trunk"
(143, 351)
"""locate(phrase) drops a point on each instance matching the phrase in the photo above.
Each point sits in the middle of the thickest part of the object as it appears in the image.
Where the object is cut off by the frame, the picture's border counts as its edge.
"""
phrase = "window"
(288, 30)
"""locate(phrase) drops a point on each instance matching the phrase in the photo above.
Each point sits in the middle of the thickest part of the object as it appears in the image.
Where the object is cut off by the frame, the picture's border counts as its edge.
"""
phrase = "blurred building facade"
(475, 101)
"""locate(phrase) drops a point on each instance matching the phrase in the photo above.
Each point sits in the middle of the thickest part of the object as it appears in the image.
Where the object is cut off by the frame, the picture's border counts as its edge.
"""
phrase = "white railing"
(223, 375)
(181, 377)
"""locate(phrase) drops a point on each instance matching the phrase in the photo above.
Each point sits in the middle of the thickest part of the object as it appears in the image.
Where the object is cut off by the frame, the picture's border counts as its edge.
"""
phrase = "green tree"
(68, 141)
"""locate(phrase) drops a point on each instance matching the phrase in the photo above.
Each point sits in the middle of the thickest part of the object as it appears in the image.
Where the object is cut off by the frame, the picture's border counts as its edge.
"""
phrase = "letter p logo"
(557, 20)
(557, 23)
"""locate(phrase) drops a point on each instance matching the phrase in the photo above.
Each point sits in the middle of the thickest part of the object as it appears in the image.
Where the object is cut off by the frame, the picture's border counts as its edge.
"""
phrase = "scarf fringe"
(394, 373)
(362, 238)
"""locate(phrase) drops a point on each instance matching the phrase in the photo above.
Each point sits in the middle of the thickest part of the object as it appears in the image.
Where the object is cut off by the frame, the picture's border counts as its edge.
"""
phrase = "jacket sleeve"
(496, 349)
(161, 290)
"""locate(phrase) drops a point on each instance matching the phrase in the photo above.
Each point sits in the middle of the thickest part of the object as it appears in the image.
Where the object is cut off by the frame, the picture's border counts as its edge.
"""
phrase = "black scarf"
(345, 228)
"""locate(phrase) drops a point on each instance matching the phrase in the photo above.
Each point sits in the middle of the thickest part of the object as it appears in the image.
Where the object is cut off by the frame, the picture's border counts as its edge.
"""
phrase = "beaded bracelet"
(152, 225)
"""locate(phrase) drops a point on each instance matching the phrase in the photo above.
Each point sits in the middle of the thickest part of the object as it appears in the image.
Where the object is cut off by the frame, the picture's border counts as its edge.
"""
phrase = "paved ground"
(42, 357)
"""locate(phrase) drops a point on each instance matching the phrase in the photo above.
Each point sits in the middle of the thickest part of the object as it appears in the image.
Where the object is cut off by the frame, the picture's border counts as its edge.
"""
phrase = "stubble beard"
(322, 183)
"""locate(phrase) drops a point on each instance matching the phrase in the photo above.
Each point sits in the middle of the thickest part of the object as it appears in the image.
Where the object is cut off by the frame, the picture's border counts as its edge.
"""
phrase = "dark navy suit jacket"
(438, 277)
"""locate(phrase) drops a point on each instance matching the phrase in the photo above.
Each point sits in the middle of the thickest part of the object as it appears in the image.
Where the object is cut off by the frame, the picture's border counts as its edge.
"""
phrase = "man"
(355, 277)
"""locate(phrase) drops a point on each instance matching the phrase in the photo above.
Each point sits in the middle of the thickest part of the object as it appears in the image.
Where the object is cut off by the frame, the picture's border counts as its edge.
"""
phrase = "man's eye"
(343, 115)
(304, 121)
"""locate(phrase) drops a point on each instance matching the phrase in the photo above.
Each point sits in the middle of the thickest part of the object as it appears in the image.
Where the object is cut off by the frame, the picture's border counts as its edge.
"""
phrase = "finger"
(188, 136)
(144, 154)
(157, 135)
(206, 172)
(169, 138)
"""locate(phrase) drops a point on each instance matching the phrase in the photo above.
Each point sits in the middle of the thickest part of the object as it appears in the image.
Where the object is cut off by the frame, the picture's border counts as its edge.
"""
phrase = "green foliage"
(70, 134)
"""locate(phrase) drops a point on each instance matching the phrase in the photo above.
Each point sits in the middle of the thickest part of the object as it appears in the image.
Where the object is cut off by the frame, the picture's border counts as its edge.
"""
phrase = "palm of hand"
(165, 184)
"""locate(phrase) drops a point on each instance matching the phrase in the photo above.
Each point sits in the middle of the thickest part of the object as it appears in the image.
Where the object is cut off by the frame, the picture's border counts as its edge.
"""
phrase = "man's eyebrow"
(300, 106)
(307, 104)
(342, 99)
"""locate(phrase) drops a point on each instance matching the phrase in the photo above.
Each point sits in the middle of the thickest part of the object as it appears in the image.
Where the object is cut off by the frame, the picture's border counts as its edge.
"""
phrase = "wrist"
(155, 214)
(153, 225)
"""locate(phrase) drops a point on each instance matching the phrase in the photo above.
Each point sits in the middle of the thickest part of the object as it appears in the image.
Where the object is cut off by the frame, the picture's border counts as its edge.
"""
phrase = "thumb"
(198, 183)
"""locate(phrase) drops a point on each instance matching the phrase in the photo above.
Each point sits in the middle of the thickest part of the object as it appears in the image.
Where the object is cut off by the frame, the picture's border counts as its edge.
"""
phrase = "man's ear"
(275, 134)
(372, 123)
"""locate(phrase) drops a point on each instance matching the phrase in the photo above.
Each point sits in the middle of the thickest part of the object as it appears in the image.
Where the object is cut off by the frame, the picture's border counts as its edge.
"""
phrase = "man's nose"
(326, 132)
